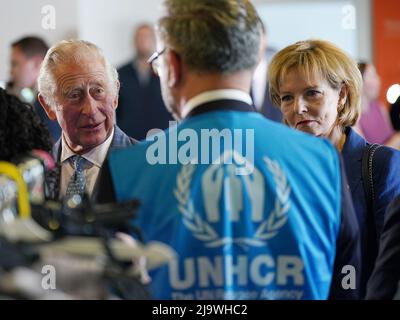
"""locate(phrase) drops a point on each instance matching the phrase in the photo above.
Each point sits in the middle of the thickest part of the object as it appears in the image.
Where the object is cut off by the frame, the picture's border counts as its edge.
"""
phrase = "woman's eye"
(286, 98)
(313, 93)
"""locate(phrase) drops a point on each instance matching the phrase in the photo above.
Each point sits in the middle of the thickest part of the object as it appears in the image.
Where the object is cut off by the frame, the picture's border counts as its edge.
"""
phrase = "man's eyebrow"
(98, 82)
(68, 89)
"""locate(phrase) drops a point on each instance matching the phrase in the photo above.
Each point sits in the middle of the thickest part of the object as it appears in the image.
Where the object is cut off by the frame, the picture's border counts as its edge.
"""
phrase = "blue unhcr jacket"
(259, 215)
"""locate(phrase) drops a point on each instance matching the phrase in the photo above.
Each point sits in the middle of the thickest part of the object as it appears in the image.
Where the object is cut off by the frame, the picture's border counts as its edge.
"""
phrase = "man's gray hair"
(70, 52)
(212, 36)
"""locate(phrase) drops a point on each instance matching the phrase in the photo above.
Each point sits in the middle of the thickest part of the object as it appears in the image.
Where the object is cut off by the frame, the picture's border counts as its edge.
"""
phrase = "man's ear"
(116, 95)
(49, 110)
(174, 68)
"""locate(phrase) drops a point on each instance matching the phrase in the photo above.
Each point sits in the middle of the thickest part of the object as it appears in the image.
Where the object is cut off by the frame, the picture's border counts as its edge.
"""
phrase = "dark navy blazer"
(386, 181)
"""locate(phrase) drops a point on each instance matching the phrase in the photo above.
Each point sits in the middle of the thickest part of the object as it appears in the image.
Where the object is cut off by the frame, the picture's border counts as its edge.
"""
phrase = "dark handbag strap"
(371, 227)
(368, 183)
(367, 176)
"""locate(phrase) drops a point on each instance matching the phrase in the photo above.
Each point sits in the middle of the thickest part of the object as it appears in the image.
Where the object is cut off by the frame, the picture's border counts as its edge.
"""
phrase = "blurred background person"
(27, 55)
(375, 122)
(259, 86)
(21, 130)
(318, 87)
(140, 106)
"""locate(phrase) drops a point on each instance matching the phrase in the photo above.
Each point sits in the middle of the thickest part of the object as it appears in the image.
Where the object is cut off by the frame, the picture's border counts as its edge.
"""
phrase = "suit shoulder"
(125, 69)
(386, 167)
(386, 157)
(124, 66)
(387, 152)
(121, 139)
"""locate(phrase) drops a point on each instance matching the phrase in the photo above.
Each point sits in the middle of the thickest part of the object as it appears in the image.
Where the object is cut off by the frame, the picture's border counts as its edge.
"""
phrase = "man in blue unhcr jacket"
(253, 210)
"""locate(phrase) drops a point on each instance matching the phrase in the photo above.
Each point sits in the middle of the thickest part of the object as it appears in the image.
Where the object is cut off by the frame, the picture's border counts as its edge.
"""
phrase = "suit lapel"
(352, 156)
(53, 177)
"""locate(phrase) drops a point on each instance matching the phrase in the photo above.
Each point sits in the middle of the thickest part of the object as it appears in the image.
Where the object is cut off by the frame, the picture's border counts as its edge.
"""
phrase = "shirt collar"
(96, 155)
(208, 96)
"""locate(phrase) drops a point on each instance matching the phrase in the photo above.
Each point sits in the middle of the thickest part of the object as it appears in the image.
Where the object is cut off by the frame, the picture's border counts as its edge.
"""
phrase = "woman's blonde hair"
(319, 59)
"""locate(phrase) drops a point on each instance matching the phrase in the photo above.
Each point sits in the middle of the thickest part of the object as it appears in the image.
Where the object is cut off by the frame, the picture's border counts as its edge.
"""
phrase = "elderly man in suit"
(79, 88)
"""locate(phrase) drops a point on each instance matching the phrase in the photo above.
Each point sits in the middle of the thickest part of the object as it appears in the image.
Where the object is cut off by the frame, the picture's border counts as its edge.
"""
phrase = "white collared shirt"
(208, 96)
(95, 158)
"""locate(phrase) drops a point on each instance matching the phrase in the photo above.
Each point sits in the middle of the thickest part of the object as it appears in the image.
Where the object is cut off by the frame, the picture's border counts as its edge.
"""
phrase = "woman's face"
(309, 106)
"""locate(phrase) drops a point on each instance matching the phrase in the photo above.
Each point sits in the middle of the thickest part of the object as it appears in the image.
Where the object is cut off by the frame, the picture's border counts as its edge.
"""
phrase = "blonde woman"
(318, 89)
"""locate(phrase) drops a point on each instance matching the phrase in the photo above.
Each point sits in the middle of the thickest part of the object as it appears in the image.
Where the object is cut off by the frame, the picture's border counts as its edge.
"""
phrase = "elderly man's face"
(85, 104)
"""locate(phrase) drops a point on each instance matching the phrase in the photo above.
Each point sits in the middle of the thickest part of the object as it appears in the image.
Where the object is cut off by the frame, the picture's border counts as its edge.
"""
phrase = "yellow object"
(13, 172)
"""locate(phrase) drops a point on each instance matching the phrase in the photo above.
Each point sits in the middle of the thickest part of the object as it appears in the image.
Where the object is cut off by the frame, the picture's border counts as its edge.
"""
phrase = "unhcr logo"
(220, 184)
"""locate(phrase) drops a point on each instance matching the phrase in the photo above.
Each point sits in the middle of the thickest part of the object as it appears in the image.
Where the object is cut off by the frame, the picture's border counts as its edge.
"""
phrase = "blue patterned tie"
(77, 183)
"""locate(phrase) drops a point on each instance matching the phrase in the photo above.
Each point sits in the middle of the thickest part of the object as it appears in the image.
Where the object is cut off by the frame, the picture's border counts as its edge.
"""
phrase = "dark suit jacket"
(140, 107)
(384, 280)
(386, 180)
(269, 110)
(120, 140)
